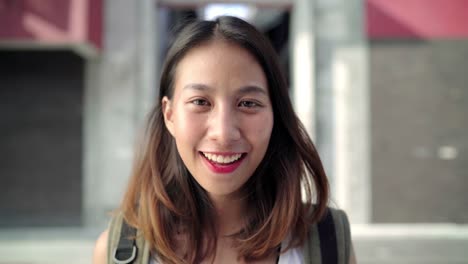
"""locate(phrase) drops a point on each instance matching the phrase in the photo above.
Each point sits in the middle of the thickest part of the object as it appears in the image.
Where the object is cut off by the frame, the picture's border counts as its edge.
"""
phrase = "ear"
(167, 113)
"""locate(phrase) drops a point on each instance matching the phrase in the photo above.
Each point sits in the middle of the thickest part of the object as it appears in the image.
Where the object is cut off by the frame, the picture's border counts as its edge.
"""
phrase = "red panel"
(95, 22)
(51, 21)
(424, 19)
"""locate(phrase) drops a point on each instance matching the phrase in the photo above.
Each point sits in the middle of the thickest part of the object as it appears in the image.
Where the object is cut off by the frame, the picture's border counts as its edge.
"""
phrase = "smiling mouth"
(223, 159)
(223, 164)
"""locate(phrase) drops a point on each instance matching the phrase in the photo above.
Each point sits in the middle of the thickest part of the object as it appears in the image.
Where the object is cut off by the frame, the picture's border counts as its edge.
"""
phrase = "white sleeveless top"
(292, 256)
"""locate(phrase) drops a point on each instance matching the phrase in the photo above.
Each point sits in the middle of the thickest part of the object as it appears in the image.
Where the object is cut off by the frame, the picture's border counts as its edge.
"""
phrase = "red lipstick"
(223, 168)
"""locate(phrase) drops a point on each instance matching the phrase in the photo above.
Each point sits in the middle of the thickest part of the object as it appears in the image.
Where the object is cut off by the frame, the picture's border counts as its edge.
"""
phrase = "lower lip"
(221, 168)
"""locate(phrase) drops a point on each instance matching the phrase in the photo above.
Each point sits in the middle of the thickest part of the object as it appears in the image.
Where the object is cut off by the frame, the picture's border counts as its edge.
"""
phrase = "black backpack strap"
(327, 237)
(126, 251)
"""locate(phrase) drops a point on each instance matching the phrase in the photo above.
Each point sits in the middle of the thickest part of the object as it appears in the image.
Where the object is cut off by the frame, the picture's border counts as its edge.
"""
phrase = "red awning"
(421, 19)
(51, 23)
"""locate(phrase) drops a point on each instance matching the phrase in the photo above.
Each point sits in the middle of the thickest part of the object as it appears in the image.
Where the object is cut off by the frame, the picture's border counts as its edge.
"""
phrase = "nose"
(224, 126)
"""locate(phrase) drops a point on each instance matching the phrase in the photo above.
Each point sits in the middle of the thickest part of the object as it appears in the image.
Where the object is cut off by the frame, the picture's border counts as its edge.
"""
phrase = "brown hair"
(164, 200)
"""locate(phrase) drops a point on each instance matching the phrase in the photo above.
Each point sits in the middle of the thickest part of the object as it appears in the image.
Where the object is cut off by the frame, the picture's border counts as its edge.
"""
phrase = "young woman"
(228, 174)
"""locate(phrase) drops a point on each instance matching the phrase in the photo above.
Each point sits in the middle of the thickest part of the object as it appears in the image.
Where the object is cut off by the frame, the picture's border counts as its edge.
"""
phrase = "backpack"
(329, 241)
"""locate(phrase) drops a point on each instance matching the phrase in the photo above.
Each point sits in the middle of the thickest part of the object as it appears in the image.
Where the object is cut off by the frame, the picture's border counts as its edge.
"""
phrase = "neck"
(230, 214)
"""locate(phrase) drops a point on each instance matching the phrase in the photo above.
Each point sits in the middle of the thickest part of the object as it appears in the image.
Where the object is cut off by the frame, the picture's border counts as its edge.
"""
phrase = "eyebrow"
(197, 86)
(244, 90)
(253, 89)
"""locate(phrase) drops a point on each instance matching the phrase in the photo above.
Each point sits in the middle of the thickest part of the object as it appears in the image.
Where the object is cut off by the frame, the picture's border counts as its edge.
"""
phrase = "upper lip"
(222, 153)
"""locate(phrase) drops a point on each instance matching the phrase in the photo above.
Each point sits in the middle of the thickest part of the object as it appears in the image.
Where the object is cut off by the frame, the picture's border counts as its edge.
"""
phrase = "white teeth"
(222, 159)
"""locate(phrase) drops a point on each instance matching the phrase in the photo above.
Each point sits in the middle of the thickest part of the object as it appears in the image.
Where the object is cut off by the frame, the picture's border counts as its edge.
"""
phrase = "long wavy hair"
(286, 194)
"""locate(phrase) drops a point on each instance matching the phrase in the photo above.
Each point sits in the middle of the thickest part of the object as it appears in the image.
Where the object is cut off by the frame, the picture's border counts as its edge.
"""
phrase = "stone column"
(343, 134)
(303, 63)
(120, 87)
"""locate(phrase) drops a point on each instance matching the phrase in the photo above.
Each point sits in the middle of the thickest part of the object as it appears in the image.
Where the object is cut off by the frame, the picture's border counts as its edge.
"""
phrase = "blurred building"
(380, 86)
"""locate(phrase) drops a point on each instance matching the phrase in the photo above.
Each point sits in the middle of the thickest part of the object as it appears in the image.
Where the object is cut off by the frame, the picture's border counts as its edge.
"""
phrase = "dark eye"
(200, 102)
(248, 104)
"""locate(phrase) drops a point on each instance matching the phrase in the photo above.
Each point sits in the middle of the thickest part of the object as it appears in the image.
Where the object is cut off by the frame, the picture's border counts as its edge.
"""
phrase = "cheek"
(188, 126)
(260, 130)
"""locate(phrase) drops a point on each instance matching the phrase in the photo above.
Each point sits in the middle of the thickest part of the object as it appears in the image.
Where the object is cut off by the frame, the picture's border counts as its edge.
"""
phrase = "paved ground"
(412, 251)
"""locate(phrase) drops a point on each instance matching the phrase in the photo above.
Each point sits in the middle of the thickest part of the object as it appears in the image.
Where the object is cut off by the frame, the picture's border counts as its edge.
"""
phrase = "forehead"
(219, 63)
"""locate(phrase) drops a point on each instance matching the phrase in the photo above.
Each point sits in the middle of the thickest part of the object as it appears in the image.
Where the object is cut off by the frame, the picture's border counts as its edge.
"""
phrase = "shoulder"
(134, 247)
(332, 215)
(100, 249)
(338, 213)
(107, 240)
(341, 223)
(330, 236)
(339, 216)
(343, 236)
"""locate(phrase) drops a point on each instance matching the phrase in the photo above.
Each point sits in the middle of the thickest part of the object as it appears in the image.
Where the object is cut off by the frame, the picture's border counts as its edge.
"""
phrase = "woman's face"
(220, 115)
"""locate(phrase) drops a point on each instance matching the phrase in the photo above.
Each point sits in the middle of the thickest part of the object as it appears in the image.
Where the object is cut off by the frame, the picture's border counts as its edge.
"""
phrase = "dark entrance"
(41, 109)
